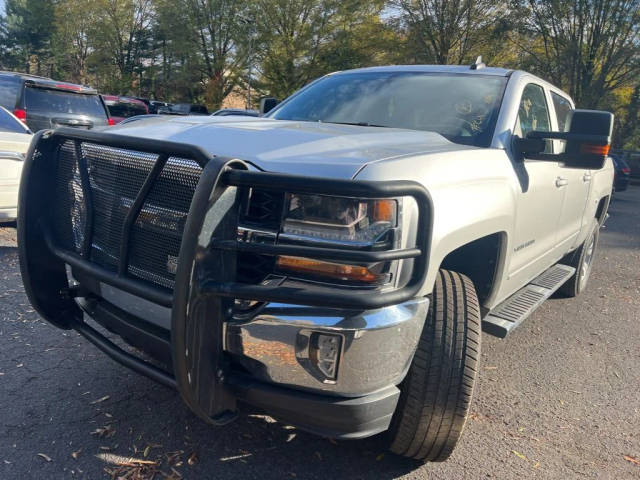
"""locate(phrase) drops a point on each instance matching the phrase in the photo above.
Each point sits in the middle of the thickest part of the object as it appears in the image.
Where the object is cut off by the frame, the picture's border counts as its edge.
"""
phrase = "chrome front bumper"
(377, 345)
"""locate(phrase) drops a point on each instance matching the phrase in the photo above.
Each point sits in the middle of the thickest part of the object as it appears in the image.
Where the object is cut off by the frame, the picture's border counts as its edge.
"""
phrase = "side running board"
(510, 313)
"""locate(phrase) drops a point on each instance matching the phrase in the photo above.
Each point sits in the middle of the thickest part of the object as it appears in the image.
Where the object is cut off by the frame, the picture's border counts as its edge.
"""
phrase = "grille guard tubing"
(205, 285)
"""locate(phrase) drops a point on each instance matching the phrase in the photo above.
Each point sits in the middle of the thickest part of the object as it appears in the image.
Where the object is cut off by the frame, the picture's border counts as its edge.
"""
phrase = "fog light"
(324, 352)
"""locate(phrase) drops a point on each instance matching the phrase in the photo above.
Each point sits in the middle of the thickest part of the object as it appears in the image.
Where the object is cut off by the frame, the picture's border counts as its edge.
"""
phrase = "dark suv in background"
(45, 103)
(622, 172)
(184, 109)
(124, 107)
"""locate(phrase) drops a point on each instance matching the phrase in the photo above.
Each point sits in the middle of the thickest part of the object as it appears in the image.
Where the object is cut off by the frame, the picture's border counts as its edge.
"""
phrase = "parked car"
(226, 112)
(15, 138)
(154, 105)
(184, 109)
(45, 103)
(124, 107)
(622, 172)
(333, 265)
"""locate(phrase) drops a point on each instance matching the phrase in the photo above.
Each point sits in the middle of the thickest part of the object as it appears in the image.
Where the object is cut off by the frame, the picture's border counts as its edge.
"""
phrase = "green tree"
(299, 40)
(27, 30)
(207, 36)
(357, 37)
(75, 19)
(589, 47)
(449, 31)
(119, 41)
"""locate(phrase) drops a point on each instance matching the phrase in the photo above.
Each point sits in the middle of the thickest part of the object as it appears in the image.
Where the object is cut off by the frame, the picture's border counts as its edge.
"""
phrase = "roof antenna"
(478, 64)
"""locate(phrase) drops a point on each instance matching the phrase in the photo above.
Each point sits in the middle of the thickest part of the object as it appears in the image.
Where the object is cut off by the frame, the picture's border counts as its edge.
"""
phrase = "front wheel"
(436, 394)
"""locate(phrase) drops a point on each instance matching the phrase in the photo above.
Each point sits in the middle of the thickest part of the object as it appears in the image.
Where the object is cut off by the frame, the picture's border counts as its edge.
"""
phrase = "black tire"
(582, 261)
(436, 395)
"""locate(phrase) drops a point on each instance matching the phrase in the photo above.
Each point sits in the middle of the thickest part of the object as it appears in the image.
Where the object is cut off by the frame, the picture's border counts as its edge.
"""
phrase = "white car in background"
(15, 138)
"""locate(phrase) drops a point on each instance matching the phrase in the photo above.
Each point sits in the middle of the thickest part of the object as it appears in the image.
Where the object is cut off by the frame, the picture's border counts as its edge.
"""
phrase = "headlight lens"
(351, 221)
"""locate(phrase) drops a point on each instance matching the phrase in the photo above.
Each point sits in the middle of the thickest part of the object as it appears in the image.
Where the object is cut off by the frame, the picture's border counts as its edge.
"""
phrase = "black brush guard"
(205, 282)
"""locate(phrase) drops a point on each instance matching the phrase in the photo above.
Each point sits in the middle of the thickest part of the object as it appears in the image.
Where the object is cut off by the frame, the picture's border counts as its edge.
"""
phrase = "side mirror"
(587, 141)
(267, 104)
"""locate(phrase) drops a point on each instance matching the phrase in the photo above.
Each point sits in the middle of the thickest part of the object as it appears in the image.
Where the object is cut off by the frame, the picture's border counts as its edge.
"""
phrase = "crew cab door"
(539, 195)
(577, 180)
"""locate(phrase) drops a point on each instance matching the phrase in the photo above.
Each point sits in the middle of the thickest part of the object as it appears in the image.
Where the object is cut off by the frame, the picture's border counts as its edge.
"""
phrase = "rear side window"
(563, 109)
(50, 102)
(126, 110)
(10, 124)
(9, 89)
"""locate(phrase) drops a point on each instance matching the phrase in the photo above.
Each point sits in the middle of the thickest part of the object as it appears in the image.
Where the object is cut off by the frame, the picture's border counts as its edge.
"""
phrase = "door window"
(533, 113)
(563, 109)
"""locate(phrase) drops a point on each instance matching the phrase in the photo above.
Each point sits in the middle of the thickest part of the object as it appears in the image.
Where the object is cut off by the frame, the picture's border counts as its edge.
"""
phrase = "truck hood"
(304, 148)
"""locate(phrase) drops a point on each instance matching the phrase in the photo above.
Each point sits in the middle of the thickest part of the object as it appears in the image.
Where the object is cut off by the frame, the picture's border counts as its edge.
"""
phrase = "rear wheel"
(582, 261)
(436, 394)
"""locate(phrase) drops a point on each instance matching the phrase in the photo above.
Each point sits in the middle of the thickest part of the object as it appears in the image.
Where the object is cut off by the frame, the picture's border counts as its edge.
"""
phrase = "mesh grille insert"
(115, 176)
(69, 211)
(157, 232)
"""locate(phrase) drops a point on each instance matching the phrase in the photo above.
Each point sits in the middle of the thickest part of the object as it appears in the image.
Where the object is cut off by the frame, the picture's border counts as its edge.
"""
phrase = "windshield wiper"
(359, 124)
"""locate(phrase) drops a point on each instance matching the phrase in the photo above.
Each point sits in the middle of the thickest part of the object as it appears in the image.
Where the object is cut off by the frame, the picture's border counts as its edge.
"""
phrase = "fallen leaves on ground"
(519, 455)
(45, 456)
(123, 461)
(631, 459)
(104, 432)
(523, 457)
(100, 400)
(76, 454)
(130, 468)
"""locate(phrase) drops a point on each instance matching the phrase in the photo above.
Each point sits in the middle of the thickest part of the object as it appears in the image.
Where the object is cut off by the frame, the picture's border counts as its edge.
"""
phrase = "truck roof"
(458, 70)
(46, 82)
(464, 69)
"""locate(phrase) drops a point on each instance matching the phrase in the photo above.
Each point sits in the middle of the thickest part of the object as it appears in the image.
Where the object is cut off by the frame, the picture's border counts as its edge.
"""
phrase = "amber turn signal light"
(337, 271)
(595, 149)
(384, 211)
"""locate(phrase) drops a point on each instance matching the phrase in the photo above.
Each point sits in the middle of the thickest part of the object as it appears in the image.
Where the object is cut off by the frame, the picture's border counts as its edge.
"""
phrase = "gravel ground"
(558, 399)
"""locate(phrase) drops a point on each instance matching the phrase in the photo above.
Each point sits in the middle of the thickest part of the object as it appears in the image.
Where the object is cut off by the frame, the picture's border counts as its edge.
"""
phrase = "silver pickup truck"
(332, 262)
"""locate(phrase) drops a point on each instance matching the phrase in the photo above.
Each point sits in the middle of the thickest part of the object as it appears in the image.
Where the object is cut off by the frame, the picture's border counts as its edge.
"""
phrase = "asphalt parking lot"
(559, 399)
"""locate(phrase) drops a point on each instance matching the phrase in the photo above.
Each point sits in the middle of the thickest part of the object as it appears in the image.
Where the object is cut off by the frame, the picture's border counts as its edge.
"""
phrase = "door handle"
(561, 182)
(586, 177)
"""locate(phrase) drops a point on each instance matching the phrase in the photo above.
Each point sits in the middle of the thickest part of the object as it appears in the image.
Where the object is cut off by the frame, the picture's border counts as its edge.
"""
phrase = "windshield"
(462, 108)
(48, 102)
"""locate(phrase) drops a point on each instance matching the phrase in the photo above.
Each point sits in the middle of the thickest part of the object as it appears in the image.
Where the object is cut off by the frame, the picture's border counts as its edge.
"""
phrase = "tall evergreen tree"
(27, 29)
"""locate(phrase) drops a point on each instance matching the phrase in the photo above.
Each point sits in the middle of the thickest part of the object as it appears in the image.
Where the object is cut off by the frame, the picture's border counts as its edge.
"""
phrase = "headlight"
(339, 222)
(350, 221)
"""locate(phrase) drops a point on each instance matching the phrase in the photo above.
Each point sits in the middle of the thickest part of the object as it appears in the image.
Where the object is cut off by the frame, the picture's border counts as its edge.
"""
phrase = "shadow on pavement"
(253, 446)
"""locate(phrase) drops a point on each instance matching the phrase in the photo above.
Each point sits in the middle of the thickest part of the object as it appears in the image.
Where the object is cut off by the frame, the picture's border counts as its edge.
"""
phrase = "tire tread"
(436, 394)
